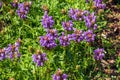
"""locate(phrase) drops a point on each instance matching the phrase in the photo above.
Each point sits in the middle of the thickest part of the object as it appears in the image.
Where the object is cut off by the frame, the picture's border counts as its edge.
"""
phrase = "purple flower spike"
(8, 49)
(2, 54)
(23, 9)
(77, 35)
(68, 25)
(64, 40)
(0, 4)
(18, 55)
(87, 1)
(90, 21)
(11, 51)
(71, 13)
(47, 21)
(98, 4)
(59, 75)
(39, 58)
(47, 41)
(76, 14)
(89, 36)
(52, 32)
(14, 3)
(99, 54)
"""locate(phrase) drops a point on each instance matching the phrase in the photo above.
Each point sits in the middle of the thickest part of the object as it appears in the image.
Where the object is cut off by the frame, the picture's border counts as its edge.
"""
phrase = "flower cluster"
(99, 54)
(76, 14)
(52, 32)
(23, 9)
(90, 21)
(64, 40)
(59, 75)
(2, 54)
(89, 36)
(77, 36)
(98, 4)
(47, 41)
(68, 25)
(87, 1)
(12, 51)
(47, 21)
(0, 4)
(14, 3)
(39, 58)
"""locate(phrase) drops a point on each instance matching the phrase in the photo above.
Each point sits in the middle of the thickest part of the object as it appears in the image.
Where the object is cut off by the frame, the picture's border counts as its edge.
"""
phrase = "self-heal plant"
(11, 51)
(68, 25)
(77, 36)
(14, 52)
(52, 32)
(89, 36)
(39, 58)
(47, 41)
(14, 3)
(98, 4)
(76, 14)
(71, 13)
(23, 9)
(64, 40)
(87, 1)
(2, 54)
(90, 21)
(0, 4)
(47, 21)
(99, 54)
(59, 75)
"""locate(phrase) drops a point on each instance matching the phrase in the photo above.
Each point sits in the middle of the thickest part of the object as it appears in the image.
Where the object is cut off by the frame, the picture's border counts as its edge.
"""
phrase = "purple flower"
(76, 14)
(14, 3)
(71, 13)
(47, 21)
(99, 54)
(2, 54)
(64, 40)
(59, 75)
(68, 25)
(87, 1)
(17, 45)
(39, 58)
(22, 12)
(11, 55)
(52, 32)
(89, 36)
(23, 9)
(98, 4)
(90, 21)
(0, 4)
(8, 49)
(11, 51)
(18, 55)
(77, 35)
(85, 12)
(47, 41)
